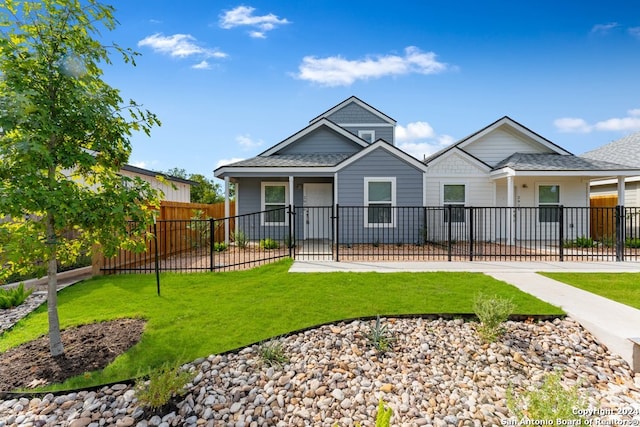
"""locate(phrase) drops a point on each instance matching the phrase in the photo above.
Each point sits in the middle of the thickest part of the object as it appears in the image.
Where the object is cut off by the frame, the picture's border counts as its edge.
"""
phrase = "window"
(548, 203)
(367, 135)
(379, 197)
(275, 197)
(454, 196)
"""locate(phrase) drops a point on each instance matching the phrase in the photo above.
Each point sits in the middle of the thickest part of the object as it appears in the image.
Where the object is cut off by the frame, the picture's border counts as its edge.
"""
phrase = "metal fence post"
(157, 268)
(620, 231)
(449, 232)
(290, 242)
(337, 234)
(212, 229)
(471, 232)
(561, 231)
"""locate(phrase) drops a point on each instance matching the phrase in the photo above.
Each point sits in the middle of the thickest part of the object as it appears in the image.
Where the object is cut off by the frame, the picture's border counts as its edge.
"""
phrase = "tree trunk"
(55, 339)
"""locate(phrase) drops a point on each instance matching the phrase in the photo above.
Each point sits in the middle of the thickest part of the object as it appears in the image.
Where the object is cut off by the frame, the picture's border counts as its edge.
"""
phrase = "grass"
(206, 313)
(621, 287)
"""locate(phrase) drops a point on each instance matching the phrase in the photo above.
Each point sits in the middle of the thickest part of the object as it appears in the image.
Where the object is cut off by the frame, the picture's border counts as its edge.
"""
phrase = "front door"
(317, 202)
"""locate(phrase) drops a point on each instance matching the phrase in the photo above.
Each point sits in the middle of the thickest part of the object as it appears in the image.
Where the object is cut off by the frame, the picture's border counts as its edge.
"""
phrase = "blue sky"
(229, 79)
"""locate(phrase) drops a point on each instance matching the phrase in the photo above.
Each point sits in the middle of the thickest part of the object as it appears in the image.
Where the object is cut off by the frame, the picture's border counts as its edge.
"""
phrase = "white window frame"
(364, 133)
(546, 204)
(367, 202)
(263, 186)
(463, 204)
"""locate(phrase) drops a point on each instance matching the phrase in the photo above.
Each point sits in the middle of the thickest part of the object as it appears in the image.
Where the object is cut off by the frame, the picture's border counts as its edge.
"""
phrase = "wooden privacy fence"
(181, 227)
(603, 218)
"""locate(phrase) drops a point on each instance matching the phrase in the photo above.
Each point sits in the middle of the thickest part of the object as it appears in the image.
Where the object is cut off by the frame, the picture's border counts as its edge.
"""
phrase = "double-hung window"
(379, 199)
(274, 200)
(548, 203)
(454, 196)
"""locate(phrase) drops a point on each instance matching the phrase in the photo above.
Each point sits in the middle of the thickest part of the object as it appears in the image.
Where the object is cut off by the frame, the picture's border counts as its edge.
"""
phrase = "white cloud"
(604, 28)
(225, 162)
(247, 143)
(420, 140)
(571, 124)
(634, 31)
(338, 71)
(179, 46)
(575, 125)
(202, 65)
(243, 16)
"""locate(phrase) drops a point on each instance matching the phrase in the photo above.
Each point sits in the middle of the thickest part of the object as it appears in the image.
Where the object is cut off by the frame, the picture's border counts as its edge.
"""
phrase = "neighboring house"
(175, 189)
(347, 156)
(626, 151)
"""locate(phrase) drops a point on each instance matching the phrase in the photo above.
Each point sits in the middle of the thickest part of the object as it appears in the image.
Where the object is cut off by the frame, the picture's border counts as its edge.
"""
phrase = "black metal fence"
(386, 233)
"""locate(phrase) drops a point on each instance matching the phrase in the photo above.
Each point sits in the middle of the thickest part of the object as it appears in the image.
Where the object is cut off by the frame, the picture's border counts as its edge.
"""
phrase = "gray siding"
(385, 133)
(353, 113)
(380, 163)
(322, 140)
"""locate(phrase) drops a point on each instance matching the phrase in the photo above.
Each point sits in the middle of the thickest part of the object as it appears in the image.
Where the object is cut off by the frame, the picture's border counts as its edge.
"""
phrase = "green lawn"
(205, 313)
(621, 287)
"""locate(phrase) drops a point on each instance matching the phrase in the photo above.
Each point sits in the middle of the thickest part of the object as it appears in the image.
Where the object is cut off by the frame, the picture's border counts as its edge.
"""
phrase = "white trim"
(424, 189)
(367, 180)
(264, 184)
(455, 151)
(385, 146)
(371, 125)
(501, 173)
(372, 133)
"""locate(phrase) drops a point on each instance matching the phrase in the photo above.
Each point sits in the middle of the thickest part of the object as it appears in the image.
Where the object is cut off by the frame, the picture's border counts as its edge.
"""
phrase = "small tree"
(64, 134)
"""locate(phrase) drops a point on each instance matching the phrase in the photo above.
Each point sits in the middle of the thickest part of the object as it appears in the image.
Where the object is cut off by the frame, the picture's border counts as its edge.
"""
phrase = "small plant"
(11, 298)
(383, 416)
(380, 337)
(580, 242)
(399, 243)
(272, 353)
(633, 243)
(269, 243)
(163, 384)
(219, 247)
(492, 312)
(552, 400)
(608, 241)
(376, 243)
(240, 238)
(200, 231)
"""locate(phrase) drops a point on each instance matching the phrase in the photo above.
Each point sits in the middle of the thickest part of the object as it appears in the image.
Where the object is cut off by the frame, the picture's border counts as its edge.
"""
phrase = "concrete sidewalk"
(615, 325)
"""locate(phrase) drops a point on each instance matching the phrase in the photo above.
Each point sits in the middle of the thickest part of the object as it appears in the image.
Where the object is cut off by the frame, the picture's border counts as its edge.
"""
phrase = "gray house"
(347, 157)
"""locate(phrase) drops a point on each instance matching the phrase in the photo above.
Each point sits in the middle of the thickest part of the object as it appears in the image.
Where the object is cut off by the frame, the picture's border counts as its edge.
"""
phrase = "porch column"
(226, 210)
(621, 190)
(291, 189)
(512, 213)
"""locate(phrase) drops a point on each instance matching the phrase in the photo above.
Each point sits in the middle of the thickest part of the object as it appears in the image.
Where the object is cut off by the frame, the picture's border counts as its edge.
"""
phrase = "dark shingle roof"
(558, 162)
(294, 160)
(624, 150)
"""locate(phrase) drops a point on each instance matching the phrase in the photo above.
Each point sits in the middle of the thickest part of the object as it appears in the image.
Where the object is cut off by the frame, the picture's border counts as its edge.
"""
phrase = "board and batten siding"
(321, 140)
(499, 144)
(380, 163)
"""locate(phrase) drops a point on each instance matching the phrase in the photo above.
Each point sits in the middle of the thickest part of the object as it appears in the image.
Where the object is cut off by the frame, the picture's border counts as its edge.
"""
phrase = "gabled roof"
(292, 160)
(384, 145)
(307, 130)
(361, 103)
(625, 151)
(147, 172)
(508, 121)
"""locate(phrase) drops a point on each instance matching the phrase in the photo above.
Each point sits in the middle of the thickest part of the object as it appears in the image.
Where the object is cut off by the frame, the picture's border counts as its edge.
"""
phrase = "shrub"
(633, 243)
(380, 337)
(240, 238)
(219, 246)
(580, 242)
(200, 231)
(272, 353)
(10, 298)
(552, 400)
(492, 312)
(163, 384)
(269, 243)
